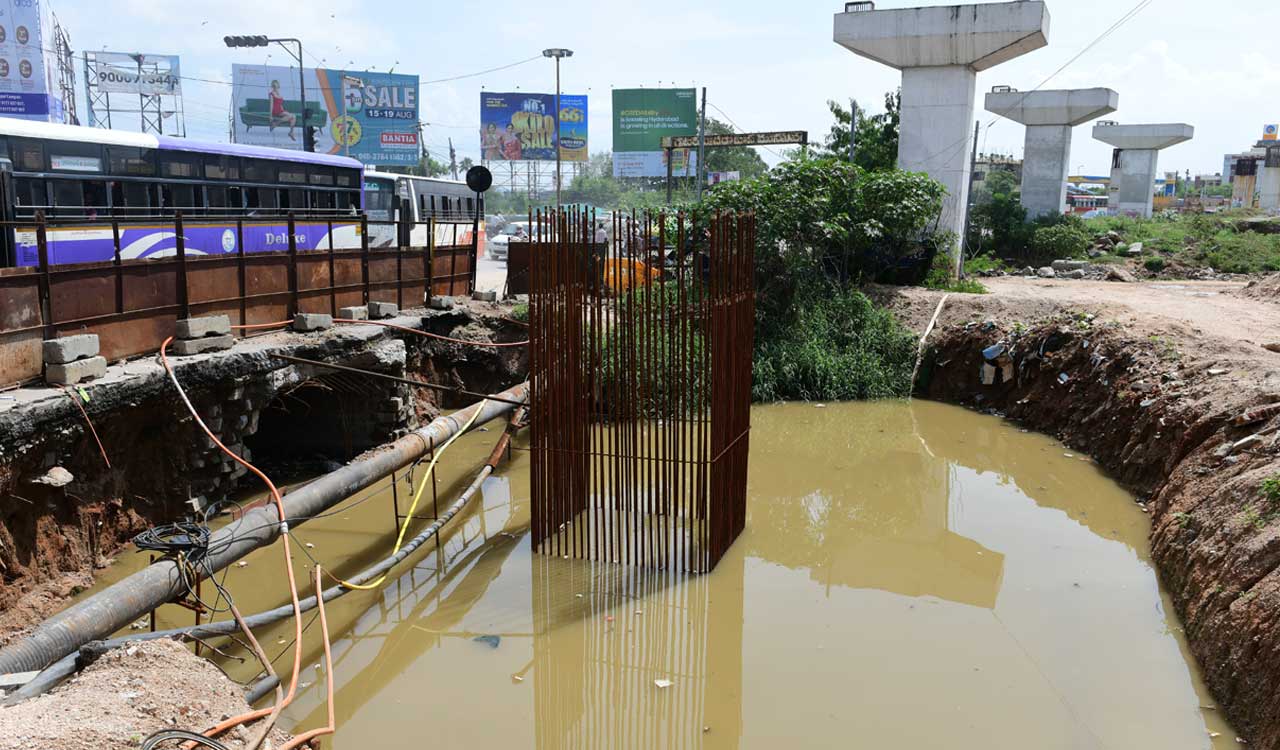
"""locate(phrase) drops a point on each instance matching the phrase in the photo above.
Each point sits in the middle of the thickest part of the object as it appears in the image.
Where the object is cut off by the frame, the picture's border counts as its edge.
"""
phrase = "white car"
(497, 245)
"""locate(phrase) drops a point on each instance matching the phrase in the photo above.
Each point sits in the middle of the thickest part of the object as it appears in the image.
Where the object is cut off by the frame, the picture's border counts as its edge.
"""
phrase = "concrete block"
(1063, 266)
(70, 348)
(358, 312)
(441, 303)
(188, 347)
(489, 296)
(312, 322)
(210, 325)
(73, 372)
(379, 310)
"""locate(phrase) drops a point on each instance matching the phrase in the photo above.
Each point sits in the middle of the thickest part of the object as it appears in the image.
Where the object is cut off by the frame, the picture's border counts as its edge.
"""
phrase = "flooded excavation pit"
(911, 575)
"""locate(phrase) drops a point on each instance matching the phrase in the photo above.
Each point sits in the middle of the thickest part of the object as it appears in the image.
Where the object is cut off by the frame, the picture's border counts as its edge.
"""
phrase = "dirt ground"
(125, 696)
(1169, 386)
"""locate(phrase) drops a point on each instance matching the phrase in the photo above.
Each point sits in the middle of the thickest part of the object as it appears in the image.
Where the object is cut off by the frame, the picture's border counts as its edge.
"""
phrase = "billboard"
(136, 73)
(27, 62)
(518, 126)
(641, 119)
(376, 122)
(1269, 132)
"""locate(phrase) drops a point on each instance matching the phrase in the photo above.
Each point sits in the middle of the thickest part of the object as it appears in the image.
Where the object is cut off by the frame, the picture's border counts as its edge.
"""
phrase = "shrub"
(1270, 489)
(1064, 239)
(940, 278)
(1154, 264)
(840, 346)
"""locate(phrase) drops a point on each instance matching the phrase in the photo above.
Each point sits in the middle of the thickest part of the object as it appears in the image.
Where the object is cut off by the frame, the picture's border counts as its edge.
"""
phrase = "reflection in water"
(911, 576)
(597, 672)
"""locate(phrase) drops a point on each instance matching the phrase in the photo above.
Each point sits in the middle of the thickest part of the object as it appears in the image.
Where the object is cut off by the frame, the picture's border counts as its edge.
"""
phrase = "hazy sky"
(766, 65)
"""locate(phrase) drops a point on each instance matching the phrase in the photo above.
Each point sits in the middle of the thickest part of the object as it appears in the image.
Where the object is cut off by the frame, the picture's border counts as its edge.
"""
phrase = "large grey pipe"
(122, 603)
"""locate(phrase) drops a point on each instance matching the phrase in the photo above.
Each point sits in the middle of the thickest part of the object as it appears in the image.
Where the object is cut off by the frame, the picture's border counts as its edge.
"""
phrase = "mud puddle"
(912, 575)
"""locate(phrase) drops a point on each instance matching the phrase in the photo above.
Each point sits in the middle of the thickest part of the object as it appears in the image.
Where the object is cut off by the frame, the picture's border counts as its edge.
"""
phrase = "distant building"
(1208, 180)
(988, 163)
(1081, 201)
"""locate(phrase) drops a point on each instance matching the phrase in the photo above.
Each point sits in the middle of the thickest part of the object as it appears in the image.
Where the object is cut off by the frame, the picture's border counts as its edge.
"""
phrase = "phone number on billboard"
(390, 114)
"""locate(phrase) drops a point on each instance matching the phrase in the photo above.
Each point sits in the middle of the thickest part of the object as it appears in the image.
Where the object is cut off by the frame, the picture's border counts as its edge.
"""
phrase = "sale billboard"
(519, 126)
(28, 67)
(641, 119)
(372, 117)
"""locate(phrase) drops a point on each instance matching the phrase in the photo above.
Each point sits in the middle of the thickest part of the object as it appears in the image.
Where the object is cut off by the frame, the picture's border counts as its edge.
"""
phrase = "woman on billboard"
(279, 115)
(511, 150)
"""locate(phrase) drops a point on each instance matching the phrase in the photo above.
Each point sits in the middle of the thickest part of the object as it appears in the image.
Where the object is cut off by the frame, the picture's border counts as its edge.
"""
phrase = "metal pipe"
(120, 604)
(70, 663)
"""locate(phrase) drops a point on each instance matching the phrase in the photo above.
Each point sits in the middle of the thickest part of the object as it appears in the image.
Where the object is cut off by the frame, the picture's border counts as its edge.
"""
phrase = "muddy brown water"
(912, 575)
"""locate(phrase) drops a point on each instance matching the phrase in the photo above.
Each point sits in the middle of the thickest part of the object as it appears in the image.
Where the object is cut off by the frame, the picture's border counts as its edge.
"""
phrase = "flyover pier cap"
(1133, 164)
(1049, 116)
(940, 51)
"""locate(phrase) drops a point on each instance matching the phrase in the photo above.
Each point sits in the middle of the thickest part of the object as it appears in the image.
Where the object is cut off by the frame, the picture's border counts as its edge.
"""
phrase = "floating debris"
(663, 683)
(491, 641)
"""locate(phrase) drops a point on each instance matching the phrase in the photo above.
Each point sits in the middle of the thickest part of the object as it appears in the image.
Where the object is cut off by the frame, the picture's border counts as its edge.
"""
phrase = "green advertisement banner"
(641, 119)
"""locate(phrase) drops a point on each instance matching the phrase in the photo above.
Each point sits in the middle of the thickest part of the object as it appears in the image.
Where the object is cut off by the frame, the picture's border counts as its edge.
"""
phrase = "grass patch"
(1215, 241)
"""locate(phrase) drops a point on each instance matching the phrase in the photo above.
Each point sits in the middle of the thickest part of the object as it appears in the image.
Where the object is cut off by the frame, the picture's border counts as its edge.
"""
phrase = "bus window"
(422, 207)
(221, 168)
(293, 173)
(347, 178)
(68, 198)
(291, 200)
(28, 155)
(133, 198)
(262, 200)
(259, 170)
(217, 197)
(321, 176)
(235, 197)
(179, 165)
(29, 195)
(175, 197)
(122, 160)
(471, 206)
(344, 200)
(95, 199)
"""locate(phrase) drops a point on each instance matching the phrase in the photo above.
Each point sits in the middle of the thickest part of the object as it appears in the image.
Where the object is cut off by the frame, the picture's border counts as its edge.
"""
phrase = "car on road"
(515, 231)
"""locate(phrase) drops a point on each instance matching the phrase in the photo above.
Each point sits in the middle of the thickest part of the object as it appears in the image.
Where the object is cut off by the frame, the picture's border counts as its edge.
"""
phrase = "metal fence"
(640, 370)
(133, 304)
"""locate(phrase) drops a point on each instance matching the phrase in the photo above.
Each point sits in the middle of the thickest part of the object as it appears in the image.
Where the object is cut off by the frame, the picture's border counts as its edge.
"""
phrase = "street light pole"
(346, 136)
(557, 53)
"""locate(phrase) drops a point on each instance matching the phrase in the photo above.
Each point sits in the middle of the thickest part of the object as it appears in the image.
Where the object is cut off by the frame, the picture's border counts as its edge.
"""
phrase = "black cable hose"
(180, 735)
(184, 537)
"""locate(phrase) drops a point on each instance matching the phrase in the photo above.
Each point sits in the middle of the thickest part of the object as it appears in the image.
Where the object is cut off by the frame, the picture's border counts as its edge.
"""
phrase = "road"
(491, 275)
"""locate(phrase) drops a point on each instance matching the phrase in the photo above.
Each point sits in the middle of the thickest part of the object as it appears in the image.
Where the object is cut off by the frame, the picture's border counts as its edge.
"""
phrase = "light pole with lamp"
(557, 53)
(261, 40)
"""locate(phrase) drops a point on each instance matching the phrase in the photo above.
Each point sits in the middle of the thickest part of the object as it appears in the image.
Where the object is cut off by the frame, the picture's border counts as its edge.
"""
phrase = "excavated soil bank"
(125, 696)
(63, 513)
(1155, 400)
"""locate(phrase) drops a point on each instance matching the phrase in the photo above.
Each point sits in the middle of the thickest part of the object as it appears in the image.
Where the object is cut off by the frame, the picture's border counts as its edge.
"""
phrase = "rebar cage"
(641, 333)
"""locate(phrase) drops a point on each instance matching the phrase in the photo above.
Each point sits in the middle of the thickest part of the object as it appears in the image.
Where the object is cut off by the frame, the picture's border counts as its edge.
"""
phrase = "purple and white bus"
(80, 176)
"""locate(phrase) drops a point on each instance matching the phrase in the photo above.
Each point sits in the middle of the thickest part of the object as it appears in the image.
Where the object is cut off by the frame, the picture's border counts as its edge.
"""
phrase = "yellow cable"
(404, 527)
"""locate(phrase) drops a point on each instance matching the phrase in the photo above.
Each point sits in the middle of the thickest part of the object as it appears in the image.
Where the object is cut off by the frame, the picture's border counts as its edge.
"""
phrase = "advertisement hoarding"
(136, 73)
(27, 63)
(518, 126)
(641, 119)
(1269, 132)
(377, 122)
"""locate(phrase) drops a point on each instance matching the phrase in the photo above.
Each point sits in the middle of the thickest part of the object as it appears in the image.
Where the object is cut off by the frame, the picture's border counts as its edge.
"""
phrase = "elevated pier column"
(1133, 163)
(940, 50)
(1049, 117)
(1269, 178)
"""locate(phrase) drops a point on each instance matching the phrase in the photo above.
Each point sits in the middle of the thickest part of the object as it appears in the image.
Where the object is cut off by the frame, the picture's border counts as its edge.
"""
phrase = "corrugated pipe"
(122, 603)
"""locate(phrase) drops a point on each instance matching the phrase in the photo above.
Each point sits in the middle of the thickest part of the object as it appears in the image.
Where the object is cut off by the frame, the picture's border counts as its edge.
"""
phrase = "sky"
(766, 65)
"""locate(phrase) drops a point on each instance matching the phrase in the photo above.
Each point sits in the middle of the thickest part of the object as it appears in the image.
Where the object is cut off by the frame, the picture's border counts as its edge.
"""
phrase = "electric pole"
(453, 160)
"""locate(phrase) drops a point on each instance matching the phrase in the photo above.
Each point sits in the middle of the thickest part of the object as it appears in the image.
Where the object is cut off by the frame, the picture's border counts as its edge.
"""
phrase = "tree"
(875, 144)
(465, 164)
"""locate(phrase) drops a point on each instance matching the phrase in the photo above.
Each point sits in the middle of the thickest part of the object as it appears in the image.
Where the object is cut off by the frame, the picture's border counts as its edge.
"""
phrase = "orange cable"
(306, 737)
(288, 560)
(89, 422)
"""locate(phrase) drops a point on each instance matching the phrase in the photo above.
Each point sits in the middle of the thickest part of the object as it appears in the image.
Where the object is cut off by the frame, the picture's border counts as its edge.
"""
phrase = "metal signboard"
(137, 73)
(773, 138)
(28, 67)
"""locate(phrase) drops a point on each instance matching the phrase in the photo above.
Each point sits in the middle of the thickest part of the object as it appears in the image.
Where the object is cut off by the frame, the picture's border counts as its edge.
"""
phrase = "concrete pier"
(940, 51)
(1133, 163)
(1049, 117)
(1269, 179)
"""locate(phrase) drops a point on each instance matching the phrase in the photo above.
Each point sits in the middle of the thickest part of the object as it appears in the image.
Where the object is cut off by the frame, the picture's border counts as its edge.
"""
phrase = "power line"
(483, 72)
(739, 129)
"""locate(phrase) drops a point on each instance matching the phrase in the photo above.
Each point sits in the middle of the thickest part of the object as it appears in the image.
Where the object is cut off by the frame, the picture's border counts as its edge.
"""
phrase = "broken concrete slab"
(441, 303)
(305, 322)
(209, 325)
(1062, 265)
(188, 347)
(356, 312)
(485, 296)
(379, 310)
(73, 372)
(60, 351)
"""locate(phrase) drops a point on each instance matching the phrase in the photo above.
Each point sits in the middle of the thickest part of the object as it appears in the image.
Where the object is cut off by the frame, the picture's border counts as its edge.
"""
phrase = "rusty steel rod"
(393, 378)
